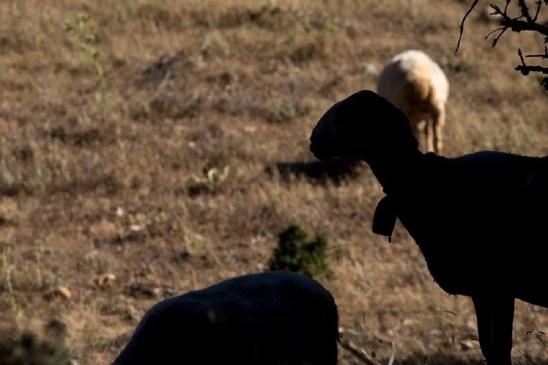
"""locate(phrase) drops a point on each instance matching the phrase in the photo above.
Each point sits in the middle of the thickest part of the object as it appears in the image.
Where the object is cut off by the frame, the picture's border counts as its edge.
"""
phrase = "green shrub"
(297, 253)
(30, 349)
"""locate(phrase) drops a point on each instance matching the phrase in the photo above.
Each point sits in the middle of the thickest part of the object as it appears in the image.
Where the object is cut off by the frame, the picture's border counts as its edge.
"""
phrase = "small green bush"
(297, 253)
(29, 350)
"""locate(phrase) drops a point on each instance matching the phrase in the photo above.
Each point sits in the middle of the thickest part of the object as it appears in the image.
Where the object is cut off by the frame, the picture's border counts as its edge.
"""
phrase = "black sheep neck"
(397, 172)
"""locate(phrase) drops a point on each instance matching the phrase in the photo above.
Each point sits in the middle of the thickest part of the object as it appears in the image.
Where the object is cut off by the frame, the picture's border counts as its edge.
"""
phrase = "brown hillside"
(148, 148)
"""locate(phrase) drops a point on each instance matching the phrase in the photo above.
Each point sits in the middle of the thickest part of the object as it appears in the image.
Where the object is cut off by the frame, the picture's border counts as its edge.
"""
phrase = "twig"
(162, 85)
(526, 69)
(461, 26)
(361, 353)
(358, 352)
(517, 25)
(495, 41)
(545, 55)
(392, 354)
(539, 4)
(524, 10)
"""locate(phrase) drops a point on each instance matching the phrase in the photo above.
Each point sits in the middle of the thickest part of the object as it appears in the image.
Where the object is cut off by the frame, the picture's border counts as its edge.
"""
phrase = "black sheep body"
(270, 318)
(468, 235)
(478, 219)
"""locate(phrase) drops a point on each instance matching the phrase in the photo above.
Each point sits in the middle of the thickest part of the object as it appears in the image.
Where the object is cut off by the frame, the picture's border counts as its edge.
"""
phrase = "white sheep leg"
(418, 130)
(439, 121)
(430, 135)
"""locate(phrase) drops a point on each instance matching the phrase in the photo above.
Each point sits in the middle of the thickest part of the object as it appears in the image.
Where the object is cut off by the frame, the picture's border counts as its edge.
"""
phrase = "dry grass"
(173, 175)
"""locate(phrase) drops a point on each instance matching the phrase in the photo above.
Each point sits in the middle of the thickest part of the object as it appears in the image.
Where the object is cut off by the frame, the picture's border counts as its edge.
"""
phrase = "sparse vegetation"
(296, 252)
(138, 142)
(29, 348)
(7, 283)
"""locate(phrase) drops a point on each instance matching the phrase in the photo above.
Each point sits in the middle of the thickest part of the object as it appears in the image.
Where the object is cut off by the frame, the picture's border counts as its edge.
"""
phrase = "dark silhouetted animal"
(275, 317)
(478, 219)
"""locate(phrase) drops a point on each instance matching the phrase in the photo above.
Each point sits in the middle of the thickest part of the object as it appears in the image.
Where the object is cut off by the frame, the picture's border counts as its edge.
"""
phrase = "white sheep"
(417, 85)
(275, 317)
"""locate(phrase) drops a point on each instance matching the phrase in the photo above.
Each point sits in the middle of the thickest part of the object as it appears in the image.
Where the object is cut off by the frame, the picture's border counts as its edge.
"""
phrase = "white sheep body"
(276, 317)
(417, 85)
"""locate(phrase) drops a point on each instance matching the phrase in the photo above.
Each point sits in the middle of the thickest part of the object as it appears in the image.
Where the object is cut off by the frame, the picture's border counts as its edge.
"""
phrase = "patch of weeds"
(301, 48)
(515, 138)
(82, 131)
(217, 149)
(138, 110)
(215, 46)
(268, 16)
(175, 107)
(109, 182)
(210, 183)
(320, 21)
(8, 282)
(77, 138)
(30, 349)
(160, 224)
(83, 31)
(159, 71)
(13, 182)
(18, 31)
(335, 170)
(285, 112)
(306, 52)
(295, 252)
(162, 17)
(231, 18)
(273, 17)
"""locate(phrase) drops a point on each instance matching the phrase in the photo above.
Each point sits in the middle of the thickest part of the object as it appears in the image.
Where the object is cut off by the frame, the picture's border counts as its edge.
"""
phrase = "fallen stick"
(361, 353)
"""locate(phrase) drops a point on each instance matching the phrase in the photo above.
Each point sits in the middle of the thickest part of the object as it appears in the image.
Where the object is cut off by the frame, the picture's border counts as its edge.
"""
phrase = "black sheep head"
(365, 126)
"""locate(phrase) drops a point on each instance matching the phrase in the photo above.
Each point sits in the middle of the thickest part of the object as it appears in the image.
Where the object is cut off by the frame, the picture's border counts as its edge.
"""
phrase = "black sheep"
(477, 218)
(270, 318)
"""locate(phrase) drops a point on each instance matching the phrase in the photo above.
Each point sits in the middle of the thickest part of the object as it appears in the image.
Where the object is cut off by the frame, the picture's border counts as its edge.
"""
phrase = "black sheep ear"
(384, 219)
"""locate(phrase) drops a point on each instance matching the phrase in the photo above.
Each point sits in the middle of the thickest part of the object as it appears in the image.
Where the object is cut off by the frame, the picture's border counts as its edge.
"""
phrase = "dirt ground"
(148, 148)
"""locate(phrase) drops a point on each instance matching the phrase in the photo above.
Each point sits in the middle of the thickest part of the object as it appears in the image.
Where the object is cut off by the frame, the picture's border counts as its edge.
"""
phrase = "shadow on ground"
(335, 170)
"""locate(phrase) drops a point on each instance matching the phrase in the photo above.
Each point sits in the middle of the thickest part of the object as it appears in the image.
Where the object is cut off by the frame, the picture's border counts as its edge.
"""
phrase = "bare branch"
(539, 4)
(392, 354)
(520, 26)
(520, 54)
(545, 55)
(526, 69)
(495, 41)
(524, 10)
(461, 26)
(523, 22)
